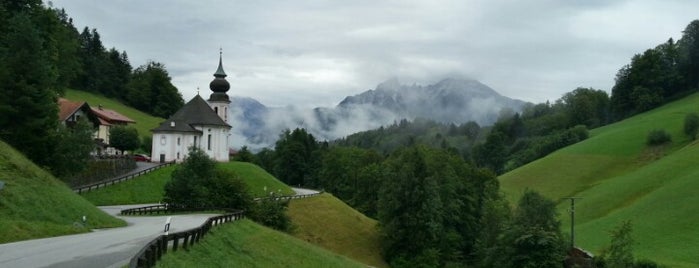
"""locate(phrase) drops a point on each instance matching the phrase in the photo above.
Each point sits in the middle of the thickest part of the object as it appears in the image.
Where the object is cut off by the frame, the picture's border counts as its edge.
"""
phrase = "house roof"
(66, 108)
(111, 115)
(195, 113)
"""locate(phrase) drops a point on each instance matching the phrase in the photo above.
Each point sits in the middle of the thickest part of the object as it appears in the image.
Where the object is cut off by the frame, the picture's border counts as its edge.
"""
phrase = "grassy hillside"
(247, 244)
(328, 222)
(144, 122)
(149, 187)
(620, 178)
(34, 204)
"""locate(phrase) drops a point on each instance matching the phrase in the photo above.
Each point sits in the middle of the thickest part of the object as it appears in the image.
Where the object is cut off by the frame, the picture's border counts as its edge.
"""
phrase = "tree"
(244, 155)
(28, 108)
(295, 157)
(150, 89)
(124, 138)
(691, 125)
(533, 238)
(198, 183)
(689, 54)
(621, 249)
(410, 211)
(586, 106)
(491, 154)
(73, 148)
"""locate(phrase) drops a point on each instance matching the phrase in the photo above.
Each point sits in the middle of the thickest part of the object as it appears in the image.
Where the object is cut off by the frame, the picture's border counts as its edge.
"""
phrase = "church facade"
(199, 123)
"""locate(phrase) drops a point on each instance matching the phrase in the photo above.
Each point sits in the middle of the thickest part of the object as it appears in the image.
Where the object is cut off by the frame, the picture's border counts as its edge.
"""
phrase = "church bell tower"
(219, 86)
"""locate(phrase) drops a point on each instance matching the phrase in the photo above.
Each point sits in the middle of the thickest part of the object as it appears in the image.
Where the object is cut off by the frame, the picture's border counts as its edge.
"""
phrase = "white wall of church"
(175, 146)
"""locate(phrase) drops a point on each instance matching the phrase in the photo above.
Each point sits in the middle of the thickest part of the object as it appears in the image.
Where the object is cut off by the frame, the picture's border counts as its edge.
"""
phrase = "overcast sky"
(314, 53)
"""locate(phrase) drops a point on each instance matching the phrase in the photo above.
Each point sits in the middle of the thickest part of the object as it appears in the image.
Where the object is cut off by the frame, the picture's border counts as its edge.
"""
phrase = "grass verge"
(247, 244)
(34, 204)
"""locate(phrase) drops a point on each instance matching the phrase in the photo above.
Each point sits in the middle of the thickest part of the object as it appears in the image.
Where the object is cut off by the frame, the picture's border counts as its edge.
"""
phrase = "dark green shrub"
(691, 125)
(271, 212)
(658, 137)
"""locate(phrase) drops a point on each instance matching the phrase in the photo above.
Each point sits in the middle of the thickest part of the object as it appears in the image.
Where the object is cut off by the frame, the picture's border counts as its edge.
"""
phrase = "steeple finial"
(219, 72)
(197, 90)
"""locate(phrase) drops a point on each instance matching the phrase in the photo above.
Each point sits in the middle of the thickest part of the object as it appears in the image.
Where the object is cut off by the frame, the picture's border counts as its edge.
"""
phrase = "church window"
(209, 143)
(216, 110)
(178, 155)
(162, 140)
(178, 141)
(195, 141)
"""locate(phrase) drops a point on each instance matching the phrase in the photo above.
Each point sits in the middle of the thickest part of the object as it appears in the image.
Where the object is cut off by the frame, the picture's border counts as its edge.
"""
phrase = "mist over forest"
(448, 101)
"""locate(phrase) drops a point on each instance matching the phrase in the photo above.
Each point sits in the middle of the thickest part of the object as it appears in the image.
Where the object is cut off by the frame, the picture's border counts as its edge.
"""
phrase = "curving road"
(101, 248)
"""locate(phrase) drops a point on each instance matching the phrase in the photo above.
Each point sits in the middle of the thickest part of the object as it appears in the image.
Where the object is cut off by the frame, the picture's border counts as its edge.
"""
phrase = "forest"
(42, 54)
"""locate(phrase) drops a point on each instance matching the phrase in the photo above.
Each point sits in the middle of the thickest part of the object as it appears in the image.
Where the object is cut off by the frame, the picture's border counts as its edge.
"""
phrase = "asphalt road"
(101, 248)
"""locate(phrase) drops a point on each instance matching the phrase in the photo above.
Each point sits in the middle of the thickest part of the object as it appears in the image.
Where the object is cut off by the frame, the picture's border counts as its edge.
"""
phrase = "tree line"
(42, 54)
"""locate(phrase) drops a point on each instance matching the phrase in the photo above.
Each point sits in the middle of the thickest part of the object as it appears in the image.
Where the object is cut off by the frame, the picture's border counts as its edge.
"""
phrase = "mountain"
(449, 101)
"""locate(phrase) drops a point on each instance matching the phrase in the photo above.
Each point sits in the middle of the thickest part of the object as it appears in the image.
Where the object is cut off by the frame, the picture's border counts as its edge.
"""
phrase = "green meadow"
(328, 222)
(149, 188)
(620, 178)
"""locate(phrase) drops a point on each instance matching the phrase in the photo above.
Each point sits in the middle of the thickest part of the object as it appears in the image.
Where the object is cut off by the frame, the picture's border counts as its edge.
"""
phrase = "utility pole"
(572, 220)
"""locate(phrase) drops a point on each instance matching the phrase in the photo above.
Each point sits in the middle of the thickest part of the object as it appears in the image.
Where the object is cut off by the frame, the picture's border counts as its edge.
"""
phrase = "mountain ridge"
(449, 101)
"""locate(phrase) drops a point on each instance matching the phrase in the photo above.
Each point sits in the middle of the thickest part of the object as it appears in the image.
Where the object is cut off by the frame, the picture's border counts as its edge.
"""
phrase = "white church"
(201, 123)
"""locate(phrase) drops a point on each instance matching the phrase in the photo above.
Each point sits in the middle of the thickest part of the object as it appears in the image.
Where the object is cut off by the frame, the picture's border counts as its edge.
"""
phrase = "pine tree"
(28, 108)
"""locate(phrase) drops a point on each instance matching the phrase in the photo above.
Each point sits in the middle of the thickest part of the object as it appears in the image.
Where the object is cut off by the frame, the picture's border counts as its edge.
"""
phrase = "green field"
(259, 182)
(328, 222)
(144, 122)
(247, 244)
(149, 188)
(620, 178)
(34, 204)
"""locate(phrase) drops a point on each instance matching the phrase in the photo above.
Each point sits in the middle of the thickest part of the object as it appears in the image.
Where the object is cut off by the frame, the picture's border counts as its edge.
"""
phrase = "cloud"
(313, 53)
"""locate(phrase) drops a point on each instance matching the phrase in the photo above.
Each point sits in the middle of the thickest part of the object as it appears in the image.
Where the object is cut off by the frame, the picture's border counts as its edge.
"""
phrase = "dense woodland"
(42, 54)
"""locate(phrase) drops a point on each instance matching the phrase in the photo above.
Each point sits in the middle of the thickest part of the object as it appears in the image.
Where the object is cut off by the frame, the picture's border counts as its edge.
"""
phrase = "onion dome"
(219, 85)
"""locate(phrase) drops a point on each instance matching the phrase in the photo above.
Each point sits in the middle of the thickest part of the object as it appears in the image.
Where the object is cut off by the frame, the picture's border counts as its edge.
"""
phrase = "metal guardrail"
(156, 248)
(102, 184)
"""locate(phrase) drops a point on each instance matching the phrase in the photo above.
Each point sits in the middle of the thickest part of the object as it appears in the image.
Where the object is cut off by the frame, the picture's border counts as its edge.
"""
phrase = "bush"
(271, 212)
(658, 137)
(691, 125)
(198, 183)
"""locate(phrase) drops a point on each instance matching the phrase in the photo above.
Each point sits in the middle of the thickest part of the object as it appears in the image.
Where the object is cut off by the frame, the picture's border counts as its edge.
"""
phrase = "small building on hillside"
(109, 118)
(70, 112)
(199, 123)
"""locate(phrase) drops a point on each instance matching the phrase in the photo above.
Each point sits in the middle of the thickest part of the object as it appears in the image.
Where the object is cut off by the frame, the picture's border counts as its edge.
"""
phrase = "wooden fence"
(157, 247)
(105, 183)
(288, 197)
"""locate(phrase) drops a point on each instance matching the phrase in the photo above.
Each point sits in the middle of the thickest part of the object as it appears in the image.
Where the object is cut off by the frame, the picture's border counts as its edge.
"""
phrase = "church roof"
(195, 113)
